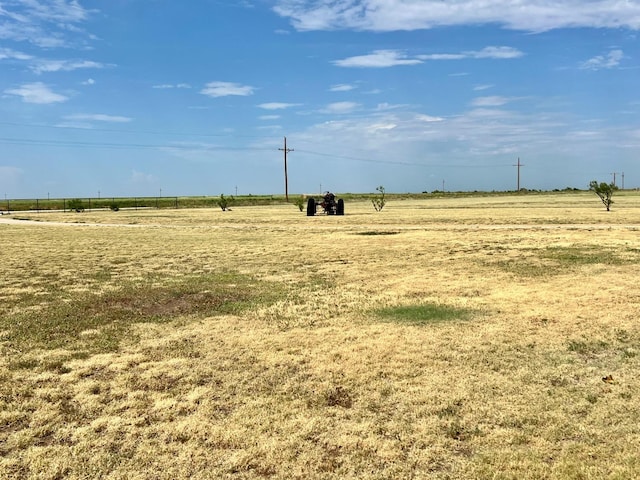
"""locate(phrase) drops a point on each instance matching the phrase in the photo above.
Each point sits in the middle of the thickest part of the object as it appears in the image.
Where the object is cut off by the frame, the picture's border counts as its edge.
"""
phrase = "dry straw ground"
(487, 337)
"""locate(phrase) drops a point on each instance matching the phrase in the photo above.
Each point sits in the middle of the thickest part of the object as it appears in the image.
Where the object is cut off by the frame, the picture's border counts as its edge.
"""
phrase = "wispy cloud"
(277, 105)
(392, 58)
(45, 24)
(7, 53)
(599, 62)
(378, 59)
(492, 101)
(98, 117)
(269, 117)
(428, 118)
(225, 89)
(141, 177)
(166, 86)
(487, 52)
(339, 108)
(36, 93)
(342, 88)
(46, 66)
(392, 15)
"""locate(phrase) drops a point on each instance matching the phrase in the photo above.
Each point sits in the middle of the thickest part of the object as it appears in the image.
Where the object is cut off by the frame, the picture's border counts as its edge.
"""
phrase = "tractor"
(329, 203)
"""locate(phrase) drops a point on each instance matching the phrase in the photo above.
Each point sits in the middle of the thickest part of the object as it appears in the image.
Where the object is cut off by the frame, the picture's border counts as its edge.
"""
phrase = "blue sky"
(132, 97)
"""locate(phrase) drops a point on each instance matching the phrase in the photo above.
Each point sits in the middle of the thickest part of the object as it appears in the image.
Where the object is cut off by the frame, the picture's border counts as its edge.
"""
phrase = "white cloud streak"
(340, 108)
(98, 117)
(225, 89)
(378, 59)
(44, 23)
(342, 88)
(394, 15)
(610, 60)
(277, 105)
(47, 66)
(393, 58)
(36, 93)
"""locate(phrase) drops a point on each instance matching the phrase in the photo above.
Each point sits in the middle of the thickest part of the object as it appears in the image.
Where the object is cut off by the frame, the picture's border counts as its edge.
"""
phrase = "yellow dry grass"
(541, 382)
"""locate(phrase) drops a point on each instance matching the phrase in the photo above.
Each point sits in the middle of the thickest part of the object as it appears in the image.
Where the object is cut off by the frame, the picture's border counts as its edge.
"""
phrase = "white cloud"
(392, 58)
(165, 86)
(610, 60)
(36, 93)
(479, 88)
(42, 66)
(493, 101)
(391, 15)
(487, 52)
(89, 81)
(378, 59)
(269, 117)
(340, 107)
(277, 105)
(7, 53)
(98, 117)
(342, 88)
(497, 52)
(140, 177)
(428, 118)
(46, 24)
(224, 89)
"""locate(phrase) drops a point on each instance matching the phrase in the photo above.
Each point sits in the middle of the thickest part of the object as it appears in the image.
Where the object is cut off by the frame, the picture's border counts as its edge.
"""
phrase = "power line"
(71, 143)
(145, 132)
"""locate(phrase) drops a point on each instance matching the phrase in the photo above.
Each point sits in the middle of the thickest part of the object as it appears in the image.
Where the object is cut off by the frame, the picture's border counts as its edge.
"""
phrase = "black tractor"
(329, 203)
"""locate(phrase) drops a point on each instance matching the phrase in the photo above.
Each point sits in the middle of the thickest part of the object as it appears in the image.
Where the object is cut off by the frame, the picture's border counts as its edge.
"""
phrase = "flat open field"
(484, 337)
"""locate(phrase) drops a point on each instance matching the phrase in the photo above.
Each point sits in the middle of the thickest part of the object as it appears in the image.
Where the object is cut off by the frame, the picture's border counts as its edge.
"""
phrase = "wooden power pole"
(519, 165)
(286, 179)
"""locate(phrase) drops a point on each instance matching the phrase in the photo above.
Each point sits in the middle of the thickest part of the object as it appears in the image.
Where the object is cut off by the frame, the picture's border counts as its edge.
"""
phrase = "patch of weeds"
(457, 431)
(559, 260)
(451, 410)
(338, 397)
(423, 314)
(108, 317)
(587, 347)
(568, 256)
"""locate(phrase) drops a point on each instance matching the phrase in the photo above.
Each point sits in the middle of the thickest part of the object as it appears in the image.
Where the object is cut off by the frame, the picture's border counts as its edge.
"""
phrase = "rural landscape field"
(480, 337)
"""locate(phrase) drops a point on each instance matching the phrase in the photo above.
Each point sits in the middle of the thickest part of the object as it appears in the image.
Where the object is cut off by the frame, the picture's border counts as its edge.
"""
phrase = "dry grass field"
(469, 338)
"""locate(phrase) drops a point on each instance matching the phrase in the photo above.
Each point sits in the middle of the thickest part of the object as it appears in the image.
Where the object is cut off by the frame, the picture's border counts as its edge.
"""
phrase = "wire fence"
(82, 204)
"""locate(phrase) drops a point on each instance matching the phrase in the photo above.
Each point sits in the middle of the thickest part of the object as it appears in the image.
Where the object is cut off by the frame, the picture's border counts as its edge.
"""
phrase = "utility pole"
(519, 165)
(622, 180)
(286, 179)
(614, 177)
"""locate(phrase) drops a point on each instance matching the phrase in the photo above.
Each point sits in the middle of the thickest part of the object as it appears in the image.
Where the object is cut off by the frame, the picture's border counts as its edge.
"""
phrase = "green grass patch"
(423, 314)
(96, 323)
(568, 256)
(558, 260)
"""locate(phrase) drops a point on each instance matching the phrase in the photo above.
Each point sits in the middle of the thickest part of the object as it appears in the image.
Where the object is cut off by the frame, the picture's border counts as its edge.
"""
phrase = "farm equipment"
(329, 203)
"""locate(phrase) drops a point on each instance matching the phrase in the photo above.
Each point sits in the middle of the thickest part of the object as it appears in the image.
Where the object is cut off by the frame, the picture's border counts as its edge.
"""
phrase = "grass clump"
(97, 323)
(423, 314)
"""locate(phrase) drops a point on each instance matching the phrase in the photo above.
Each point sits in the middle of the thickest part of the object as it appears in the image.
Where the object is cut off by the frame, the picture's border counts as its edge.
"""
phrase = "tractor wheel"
(340, 208)
(311, 207)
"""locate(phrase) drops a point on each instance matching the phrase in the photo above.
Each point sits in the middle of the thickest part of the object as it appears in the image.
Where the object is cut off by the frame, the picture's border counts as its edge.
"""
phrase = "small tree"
(299, 202)
(604, 191)
(379, 202)
(76, 204)
(224, 203)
